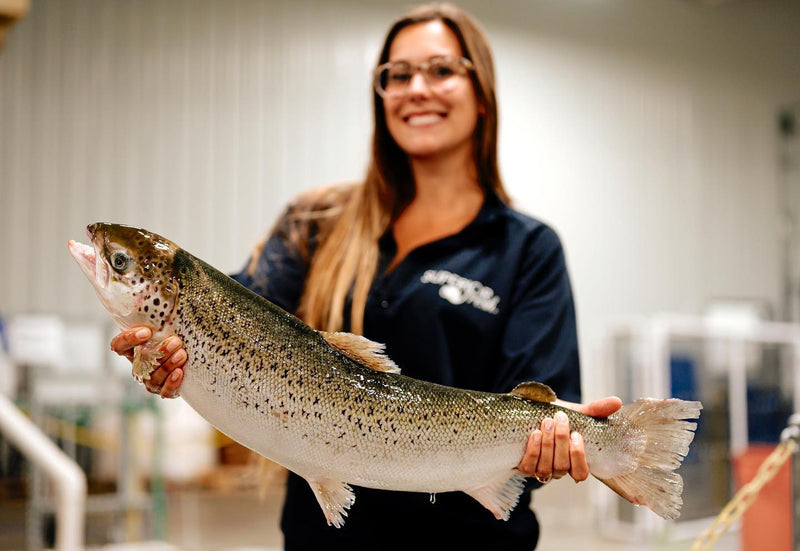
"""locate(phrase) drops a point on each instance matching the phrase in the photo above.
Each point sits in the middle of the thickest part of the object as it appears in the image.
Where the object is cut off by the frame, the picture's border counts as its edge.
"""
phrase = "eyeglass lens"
(394, 78)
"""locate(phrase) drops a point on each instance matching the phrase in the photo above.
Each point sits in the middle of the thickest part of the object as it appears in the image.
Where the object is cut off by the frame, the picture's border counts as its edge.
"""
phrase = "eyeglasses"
(392, 79)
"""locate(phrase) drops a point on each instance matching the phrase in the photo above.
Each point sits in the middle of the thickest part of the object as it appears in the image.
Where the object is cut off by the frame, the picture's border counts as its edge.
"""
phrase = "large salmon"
(335, 410)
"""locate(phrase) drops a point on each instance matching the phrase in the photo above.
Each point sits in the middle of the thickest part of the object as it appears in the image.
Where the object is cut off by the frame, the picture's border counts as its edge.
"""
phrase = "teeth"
(419, 120)
(101, 274)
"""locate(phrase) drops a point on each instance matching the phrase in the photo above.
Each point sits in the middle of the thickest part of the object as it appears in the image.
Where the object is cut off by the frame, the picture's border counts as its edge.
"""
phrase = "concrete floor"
(227, 518)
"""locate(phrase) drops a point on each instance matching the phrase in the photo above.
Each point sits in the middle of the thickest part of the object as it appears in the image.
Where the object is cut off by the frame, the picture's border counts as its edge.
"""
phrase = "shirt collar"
(491, 209)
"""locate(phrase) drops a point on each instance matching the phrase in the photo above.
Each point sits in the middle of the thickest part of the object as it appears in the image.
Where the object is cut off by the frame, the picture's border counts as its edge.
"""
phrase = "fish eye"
(120, 261)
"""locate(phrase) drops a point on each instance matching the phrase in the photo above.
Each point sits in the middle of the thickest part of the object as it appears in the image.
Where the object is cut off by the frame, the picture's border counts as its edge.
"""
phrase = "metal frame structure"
(650, 376)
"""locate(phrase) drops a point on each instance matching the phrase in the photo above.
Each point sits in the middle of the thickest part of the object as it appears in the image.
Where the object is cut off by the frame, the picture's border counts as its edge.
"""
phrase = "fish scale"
(333, 409)
(384, 415)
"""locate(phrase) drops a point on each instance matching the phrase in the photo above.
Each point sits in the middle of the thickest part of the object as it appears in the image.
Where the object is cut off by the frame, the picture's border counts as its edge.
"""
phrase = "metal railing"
(69, 480)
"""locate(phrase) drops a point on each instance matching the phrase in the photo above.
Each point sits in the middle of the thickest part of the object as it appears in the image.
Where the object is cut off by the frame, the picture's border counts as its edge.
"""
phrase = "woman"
(427, 257)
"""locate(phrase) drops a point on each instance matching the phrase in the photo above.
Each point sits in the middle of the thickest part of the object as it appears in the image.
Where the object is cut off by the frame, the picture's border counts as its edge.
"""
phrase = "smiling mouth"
(424, 119)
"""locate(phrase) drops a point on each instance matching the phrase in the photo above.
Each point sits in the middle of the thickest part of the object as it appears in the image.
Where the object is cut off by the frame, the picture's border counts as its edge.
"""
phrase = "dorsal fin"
(362, 350)
(536, 392)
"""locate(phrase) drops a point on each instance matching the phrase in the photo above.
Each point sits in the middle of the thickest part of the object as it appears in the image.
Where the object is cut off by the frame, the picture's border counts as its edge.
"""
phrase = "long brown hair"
(346, 259)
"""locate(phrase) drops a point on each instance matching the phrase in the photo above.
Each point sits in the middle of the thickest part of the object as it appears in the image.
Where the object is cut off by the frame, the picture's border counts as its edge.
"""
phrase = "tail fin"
(667, 437)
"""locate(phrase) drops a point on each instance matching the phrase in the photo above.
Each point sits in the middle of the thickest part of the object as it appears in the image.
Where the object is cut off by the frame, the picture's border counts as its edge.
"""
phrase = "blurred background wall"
(645, 131)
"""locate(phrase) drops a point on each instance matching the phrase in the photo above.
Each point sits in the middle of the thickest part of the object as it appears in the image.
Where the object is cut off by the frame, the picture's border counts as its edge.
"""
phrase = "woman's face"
(428, 123)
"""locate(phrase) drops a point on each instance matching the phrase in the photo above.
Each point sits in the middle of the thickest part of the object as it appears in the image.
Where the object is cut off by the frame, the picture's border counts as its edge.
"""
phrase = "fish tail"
(664, 438)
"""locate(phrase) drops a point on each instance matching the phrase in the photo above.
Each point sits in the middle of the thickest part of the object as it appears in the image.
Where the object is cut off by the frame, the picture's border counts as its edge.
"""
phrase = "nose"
(418, 85)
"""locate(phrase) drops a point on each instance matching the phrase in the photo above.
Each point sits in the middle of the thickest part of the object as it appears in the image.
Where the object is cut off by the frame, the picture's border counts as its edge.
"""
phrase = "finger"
(172, 356)
(160, 376)
(156, 380)
(561, 456)
(528, 464)
(124, 342)
(603, 407)
(173, 383)
(168, 347)
(177, 359)
(599, 408)
(544, 468)
(580, 468)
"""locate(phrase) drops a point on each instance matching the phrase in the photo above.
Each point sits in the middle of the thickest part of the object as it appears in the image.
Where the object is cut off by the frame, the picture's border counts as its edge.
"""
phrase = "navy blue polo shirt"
(485, 309)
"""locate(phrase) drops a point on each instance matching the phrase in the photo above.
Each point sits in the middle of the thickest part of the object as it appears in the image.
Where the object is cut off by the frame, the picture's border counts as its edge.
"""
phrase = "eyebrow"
(435, 56)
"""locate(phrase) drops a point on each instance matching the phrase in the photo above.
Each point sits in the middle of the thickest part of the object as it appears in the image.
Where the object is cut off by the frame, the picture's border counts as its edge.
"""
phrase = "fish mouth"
(89, 261)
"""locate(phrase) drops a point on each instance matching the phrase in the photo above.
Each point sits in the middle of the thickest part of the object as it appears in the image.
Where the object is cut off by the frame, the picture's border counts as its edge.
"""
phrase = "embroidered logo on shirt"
(460, 290)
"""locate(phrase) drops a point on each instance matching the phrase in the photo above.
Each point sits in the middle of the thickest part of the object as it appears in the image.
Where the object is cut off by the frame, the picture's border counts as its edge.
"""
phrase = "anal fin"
(501, 494)
(335, 497)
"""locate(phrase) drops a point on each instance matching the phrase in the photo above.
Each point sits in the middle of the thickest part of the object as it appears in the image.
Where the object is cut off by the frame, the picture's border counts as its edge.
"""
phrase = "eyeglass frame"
(414, 69)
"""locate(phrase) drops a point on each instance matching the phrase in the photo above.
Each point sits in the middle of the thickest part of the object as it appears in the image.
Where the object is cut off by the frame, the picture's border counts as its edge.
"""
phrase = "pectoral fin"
(145, 360)
(335, 498)
(362, 350)
(501, 494)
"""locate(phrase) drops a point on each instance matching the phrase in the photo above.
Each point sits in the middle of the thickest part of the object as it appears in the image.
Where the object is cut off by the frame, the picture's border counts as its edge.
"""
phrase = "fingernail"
(576, 438)
(537, 437)
(175, 376)
(548, 424)
(172, 344)
(143, 334)
(561, 418)
(178, 358)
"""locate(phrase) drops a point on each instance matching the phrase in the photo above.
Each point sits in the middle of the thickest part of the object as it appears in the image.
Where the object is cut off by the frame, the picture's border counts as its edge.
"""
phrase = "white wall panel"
(196, 119)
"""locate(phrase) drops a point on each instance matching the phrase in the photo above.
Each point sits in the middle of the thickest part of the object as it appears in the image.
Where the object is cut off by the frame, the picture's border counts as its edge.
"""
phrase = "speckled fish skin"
(290, 393)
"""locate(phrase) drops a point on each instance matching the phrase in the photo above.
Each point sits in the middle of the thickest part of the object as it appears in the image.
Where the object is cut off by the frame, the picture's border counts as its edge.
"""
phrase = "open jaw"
(86, 257)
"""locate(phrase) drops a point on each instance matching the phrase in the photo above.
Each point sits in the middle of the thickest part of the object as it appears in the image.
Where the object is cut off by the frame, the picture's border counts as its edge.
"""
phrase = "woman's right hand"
(166, 379)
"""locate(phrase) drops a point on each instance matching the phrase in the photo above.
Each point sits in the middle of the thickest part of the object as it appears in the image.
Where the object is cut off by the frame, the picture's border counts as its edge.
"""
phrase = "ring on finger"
(544, 479)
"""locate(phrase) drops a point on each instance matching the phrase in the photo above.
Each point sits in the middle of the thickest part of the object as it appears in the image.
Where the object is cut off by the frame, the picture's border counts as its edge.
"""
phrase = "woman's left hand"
(553, 452)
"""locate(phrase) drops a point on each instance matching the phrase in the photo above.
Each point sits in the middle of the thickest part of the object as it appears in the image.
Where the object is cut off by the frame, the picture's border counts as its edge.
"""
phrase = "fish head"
(131, 270)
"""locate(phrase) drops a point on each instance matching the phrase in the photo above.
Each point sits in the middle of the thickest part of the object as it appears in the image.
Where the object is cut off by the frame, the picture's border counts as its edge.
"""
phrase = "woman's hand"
(552, 451)
(166, 379)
